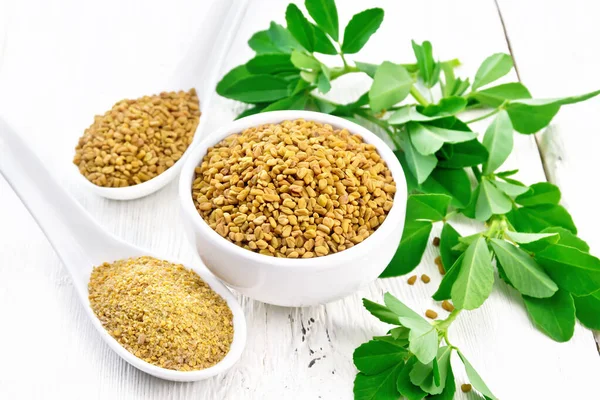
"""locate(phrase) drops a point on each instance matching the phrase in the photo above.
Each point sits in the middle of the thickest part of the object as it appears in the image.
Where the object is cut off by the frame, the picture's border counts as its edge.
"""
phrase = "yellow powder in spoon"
(162, 313)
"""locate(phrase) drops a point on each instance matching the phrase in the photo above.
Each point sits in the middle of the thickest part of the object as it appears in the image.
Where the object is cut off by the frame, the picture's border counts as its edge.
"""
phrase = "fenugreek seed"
(323, 228)
(431, 314)
(271, 197)
(436, 241)
(321, 250)
(466, 387)
(440, 265)
(289, 203)
(446, 305)
(412, 280)
(185, 326)
(425, 278)
(261, 244)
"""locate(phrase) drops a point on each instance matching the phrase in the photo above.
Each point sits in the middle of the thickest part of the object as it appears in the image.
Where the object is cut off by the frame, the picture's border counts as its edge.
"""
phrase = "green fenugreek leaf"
(555, 316)
(494, 67)
(324, 13)
(476, 277)
(376, 356)
(360, 28)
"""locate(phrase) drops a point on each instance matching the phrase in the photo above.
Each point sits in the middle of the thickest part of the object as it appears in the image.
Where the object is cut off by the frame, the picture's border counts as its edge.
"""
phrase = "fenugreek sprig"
(529, 238)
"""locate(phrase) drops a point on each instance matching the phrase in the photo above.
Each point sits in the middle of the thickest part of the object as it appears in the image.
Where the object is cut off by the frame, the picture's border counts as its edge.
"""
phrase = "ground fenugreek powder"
(138, 139)
(296, 189)
(162, 313)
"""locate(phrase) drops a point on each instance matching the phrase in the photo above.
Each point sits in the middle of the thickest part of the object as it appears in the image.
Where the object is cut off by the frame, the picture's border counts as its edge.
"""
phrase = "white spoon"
(82, 244)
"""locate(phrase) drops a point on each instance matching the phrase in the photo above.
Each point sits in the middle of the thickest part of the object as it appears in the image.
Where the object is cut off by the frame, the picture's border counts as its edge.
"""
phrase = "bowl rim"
(395, 215)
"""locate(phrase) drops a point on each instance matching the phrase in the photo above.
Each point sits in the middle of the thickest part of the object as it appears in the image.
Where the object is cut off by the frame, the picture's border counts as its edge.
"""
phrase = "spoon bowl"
(198, 69)
(82, 244)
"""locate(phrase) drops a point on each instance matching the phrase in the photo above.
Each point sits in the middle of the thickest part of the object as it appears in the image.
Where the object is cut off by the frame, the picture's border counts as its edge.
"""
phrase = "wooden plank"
(560, 62)
(66, 61)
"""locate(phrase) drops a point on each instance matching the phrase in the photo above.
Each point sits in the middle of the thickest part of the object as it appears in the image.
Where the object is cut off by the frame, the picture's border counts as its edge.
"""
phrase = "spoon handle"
(74, 235)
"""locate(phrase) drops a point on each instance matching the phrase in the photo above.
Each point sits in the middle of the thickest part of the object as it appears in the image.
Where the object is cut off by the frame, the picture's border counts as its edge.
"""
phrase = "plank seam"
(536, 136)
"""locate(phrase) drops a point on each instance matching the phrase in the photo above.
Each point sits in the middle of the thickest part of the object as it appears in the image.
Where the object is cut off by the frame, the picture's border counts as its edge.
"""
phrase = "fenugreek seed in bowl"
(293, 208)
(295, 189)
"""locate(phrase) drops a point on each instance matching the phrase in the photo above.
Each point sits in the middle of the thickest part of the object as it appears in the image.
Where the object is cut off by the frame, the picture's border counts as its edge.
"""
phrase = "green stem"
(339, 71)
(477, 172)
(484, 116)
(418, 96)
(344, 60)
(444, 324)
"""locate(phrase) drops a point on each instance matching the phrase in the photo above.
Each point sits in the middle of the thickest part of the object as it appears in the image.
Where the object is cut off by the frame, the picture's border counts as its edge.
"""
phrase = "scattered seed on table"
(446, 305)
(162, 313)
(466, 387)
(412, 280)
(431, 314)
(440, 265)
(296, 189)
(138, 139)
(436, 241)
(425, 278)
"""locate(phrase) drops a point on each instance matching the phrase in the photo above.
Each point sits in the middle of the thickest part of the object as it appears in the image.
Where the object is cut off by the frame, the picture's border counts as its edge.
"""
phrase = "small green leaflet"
(421, 166)
(475, 278)
(540, 193)
(523, 272)
(270, 63)
(555, 316)
(367, 68)
(494, 67)
(568, 239)
(491, 201)
(391, 85)
(400, 309)
(445, 289)
(571, 269)
(383, 313)
(302, 60)
(322, 43)
(538, 218)
(536, 242)
(431, 377)
(496, 95)
(449, 389)
(299, 27)
(324, 13)
(452, 182)
(423, 343)
(445, 107)
(289, 103)
(381, 386)
(261, 43)
(429, 70)
(427, 139)
(282, 38)
(498, 140)
(465, 154)
(588, 310)
(376, 356)
(257, 89)
(475, 378)
(238, 73)
(404, 384)
(511, 189)
(427, 207)
(415, 237)
(360, 28)
(448, 239)
(530, 119)
(525, 238)
(409, 113)
(531, 115)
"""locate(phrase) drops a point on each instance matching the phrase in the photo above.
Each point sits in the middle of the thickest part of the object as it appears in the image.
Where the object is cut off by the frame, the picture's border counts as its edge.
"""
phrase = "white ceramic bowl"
(303, 281)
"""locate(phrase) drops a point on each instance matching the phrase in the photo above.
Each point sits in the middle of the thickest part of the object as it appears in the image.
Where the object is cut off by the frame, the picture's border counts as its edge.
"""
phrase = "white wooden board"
(67, 60)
